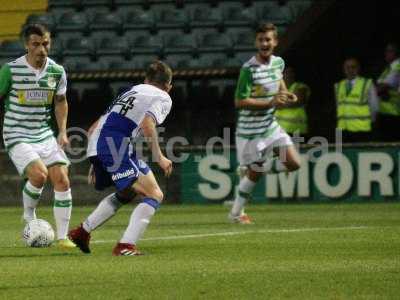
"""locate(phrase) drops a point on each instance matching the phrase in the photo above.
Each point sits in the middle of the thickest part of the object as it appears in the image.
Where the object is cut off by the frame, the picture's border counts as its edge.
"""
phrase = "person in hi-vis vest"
(356, 103)
(388, 87)
(293, 117)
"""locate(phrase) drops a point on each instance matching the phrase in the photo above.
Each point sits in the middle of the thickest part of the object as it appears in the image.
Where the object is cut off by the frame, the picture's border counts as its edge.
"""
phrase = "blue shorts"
(121, 176)
(114, 143)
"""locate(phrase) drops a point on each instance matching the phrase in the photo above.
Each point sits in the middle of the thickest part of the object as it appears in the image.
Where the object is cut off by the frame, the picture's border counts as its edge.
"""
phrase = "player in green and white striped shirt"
(28, 86)
(260, 90)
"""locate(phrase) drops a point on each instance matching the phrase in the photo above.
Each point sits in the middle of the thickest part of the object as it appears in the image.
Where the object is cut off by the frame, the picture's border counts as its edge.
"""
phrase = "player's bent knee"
(254, 174)
(156, 194)
(38, 177)
(63, 184)
(293, 165)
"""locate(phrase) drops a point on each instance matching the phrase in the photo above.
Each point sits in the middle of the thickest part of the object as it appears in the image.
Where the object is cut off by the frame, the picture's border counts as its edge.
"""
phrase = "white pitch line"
(229, 233)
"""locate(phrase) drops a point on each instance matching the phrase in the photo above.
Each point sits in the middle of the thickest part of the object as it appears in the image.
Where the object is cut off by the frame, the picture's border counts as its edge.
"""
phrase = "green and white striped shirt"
(28, 102)
(259, 81)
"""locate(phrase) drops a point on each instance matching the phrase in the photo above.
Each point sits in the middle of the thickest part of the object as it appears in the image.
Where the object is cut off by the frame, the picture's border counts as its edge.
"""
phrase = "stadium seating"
(143, 44)
(169, 18)
(74, 22)
(118, 63)
(190, 35)
(226, 62)
(206, 19)
(270, 11)
(79, 63)
(83, 64)
(106, 21)
(203, 16)
(158, 28)
(79, 46)
(235, 14)
(174, 43)
(298, 7)
(243, 39)
(137, 19)
(97, 3)
(179, 61)
(131, 2)
(214, 42)
(11, 49)
(63, 3)
(212, 3)
(112, 46)
(57, 49)
(210, 60)
(143, 60)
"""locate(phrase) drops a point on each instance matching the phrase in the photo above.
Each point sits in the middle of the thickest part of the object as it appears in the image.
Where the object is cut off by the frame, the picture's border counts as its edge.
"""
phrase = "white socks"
(61, 209)
(104, 211)
(62, 212)
(30, 198)
(140, 218)
(246, 186)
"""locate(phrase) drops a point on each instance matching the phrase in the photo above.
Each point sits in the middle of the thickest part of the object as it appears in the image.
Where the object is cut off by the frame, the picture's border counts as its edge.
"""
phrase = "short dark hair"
(38, 29)
(265, 27)
(159, 72)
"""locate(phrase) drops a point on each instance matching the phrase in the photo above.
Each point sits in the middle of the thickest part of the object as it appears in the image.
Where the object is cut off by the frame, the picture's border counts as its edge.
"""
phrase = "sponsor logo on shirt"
(35, 97)
(125, 174)
(51, 82)
(260, 90)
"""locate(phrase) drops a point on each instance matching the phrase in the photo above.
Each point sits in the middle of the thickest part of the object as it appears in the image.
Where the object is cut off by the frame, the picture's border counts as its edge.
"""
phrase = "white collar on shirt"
(36, 71)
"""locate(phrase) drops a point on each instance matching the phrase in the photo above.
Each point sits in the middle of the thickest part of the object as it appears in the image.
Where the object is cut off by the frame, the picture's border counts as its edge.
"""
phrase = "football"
(38, 233)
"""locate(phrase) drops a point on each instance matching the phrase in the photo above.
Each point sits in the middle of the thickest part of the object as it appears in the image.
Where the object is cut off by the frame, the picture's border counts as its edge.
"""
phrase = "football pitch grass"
(325, 251)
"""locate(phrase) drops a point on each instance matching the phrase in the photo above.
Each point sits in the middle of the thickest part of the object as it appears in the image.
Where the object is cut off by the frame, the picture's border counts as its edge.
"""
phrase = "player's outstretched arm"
(293, 99)
(280, 100)
(93, 127)
(150, 133)
(254, 104)
(61, 113)
(5, 81)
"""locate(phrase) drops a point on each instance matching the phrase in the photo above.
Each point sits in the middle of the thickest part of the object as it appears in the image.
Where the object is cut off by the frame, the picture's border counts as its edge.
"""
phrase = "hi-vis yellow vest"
(390, 106)
(294, 119)
(353, 112)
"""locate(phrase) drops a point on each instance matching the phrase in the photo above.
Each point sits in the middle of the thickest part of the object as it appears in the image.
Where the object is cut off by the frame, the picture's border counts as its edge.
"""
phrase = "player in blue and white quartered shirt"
(114, 161)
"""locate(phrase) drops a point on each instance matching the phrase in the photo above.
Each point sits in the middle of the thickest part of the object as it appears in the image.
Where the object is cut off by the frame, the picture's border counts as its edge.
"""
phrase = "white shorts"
(249, 151)
(48, 151)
